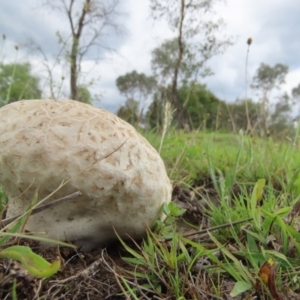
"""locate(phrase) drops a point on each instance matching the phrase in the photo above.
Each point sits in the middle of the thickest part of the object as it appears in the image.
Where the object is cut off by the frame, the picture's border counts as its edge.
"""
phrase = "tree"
(267, 78)
(129, 112)
(164, 61)
(155, 112)
(195, 36)
(200, 106)
(296, 92)
(136, 86)
(17, 82)
(280, 119)
(84, 95)
(89, 21)
(296, 97)
(234, 117)
(265, 81)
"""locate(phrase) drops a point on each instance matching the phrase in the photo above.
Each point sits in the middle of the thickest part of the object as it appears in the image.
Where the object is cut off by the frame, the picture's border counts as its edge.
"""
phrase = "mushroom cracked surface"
(45, 142)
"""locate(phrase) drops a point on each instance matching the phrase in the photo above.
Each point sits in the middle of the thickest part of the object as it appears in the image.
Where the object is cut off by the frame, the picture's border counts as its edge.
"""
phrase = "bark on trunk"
(174, 94)
(75, 44)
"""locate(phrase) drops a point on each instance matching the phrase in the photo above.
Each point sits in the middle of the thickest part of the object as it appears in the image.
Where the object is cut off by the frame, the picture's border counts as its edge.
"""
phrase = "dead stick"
(43, 207)
(205, 231)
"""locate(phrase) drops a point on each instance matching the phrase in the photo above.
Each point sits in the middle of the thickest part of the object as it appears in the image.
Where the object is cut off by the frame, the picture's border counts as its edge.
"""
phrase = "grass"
(252, 178)
(33, 263)
(240, 178)
(190, 156)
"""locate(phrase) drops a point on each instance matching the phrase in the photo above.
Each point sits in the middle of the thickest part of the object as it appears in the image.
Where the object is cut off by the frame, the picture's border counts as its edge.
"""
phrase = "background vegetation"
(229, 161)
(179, 65)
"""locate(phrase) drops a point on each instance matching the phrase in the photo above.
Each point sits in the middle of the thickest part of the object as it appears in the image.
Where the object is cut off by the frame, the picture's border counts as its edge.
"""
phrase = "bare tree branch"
(89, 21)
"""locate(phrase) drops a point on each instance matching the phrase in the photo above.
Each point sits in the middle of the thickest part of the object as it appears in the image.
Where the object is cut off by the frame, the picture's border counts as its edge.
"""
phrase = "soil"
(98, 274)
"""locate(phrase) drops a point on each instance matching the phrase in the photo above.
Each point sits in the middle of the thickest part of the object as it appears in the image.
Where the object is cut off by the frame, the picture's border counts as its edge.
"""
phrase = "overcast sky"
(274, 26)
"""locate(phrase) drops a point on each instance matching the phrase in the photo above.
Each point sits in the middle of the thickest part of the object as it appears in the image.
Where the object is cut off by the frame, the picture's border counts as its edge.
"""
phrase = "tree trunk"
(74, 51)
(73, 69)
(174, 94)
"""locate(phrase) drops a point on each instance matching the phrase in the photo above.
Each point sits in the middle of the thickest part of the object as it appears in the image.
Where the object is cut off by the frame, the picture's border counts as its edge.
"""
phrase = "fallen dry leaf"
(267, 274)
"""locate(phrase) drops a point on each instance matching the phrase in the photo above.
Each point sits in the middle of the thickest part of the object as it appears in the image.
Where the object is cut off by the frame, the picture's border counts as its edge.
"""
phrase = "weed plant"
(256, 179)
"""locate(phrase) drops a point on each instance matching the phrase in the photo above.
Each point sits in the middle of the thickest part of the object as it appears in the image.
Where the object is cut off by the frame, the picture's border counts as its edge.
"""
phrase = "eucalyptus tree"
(196, 40)
(137, 89)
(266, 81)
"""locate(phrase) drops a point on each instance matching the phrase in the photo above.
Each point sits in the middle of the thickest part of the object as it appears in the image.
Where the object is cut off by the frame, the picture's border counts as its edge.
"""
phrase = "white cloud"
(270, 24)
(274, 26)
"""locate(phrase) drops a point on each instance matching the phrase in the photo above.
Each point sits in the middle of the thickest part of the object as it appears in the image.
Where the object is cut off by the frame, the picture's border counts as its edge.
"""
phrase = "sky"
(274, 26)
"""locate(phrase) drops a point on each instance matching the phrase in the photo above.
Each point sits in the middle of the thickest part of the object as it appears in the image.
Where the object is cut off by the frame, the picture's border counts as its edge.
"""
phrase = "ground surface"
(96, 275)
(213, 172)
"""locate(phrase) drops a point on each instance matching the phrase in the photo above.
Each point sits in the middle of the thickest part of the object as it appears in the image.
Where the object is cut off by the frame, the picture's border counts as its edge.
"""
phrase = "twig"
(87, 272)
(112, 270)
(249, 42)
(121, 286)
(205, 231)
(43, 207)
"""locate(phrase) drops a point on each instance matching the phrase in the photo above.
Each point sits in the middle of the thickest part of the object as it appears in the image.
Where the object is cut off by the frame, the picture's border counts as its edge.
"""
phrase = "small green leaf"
(255, 198)
(240, 287)
(259, 188)
(165, 209)
(257, 192)
(14, 290)
(280, 212)
(33, 263)
(294, 184)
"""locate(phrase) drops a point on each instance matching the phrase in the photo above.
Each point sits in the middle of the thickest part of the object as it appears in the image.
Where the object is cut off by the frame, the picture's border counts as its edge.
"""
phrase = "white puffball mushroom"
(46, 142)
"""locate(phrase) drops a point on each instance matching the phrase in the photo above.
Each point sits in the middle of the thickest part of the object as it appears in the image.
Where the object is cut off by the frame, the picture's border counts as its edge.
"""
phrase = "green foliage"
(3, 199)
(17, 82)
(155, 113)
(195, 42)
(137, 88)
(164, 61)
(296, 92)
(172, 212)
(16, 226)
(203, 110)
(136, 85)
(268, 78)
(159, 264)
(191, 156)
(269, 215)
(200, 105)
(189, 22)
(32, 262)
(269, 209)
(84, 95)
(199, 108)
(129, 112)
(232, 116)
(280, 119)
